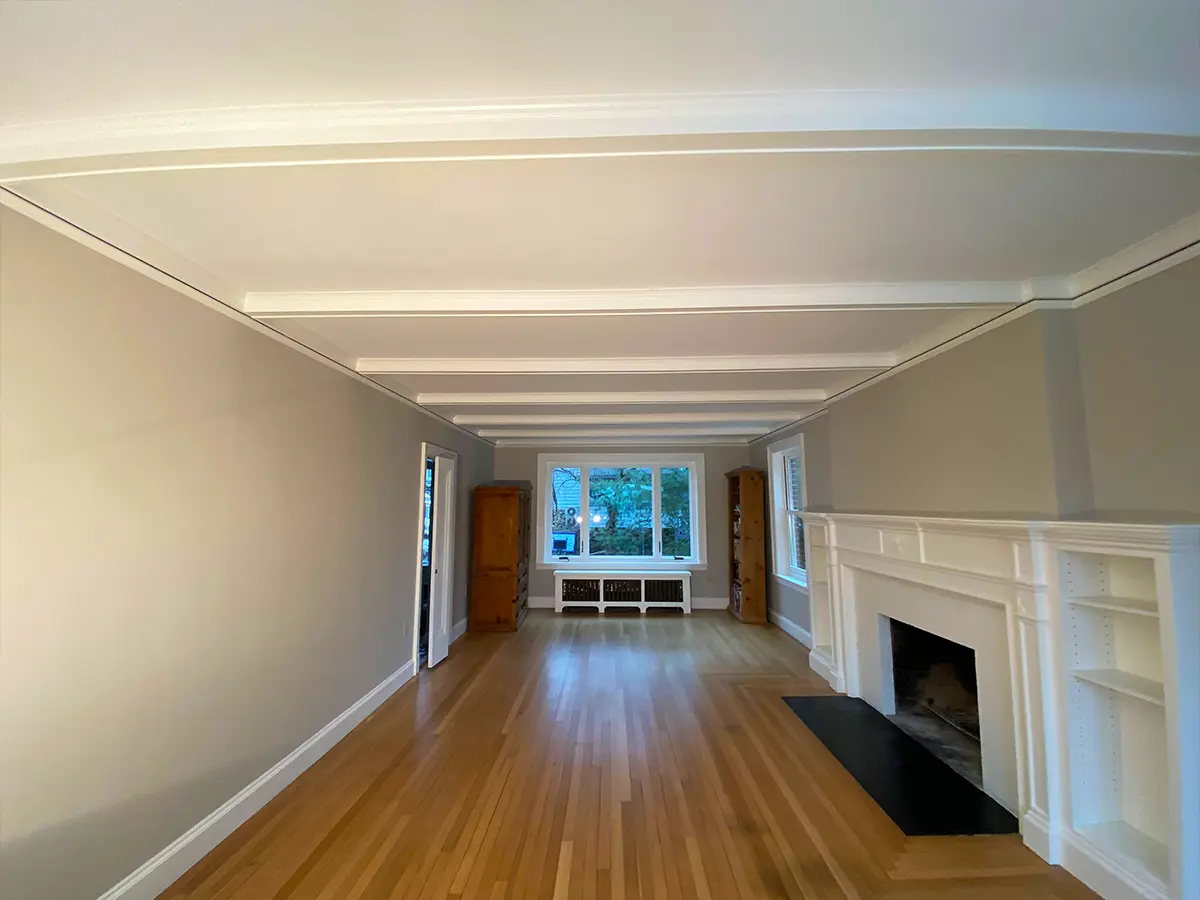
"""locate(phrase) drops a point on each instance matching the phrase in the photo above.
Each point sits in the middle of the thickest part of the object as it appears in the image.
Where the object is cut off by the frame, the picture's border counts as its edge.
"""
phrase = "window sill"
(800, 581)
(622, 565)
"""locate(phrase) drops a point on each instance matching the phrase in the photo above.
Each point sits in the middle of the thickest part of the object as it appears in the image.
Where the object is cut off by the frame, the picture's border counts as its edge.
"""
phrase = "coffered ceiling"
(658, 222)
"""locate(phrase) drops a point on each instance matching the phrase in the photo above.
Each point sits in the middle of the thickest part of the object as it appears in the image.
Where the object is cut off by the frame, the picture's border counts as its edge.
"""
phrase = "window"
(787, 507)
(640, 511)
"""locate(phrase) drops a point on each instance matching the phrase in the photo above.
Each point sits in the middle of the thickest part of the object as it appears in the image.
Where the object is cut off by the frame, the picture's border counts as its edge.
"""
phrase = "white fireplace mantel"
(1087, 643)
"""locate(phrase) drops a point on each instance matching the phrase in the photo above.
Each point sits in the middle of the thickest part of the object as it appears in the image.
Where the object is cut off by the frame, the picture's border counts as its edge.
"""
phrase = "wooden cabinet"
(747, 544)
(499, 557)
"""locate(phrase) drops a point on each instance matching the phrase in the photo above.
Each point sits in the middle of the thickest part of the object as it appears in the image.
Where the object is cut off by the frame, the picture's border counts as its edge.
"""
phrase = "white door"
(441, 555)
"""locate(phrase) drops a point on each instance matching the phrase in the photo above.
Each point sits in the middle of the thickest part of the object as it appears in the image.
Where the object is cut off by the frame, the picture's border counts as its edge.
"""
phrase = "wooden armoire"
(500, 556)
(747, 544)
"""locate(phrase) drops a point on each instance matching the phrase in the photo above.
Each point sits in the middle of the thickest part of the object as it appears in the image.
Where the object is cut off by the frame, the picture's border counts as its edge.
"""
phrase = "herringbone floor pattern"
(595, 759)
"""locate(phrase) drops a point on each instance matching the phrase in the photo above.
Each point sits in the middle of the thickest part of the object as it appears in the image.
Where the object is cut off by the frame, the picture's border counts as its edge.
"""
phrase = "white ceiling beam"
(743, 417)
(1160, 120)
(621, 398)
(698, 431)
(624, 365)
(618, 441)
(636, 301)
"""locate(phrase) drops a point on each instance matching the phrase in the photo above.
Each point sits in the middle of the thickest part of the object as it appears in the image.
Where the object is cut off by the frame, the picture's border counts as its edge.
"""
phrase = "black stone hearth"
(918, 791)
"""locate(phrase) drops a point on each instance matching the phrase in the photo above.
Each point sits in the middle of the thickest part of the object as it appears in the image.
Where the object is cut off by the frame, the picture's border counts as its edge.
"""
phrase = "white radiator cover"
(600, 577)
(1050, 690)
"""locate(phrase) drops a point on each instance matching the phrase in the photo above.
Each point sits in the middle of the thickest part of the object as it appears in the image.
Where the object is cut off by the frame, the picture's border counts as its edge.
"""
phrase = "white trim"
(710, 603)
(791, 580)
(635, 301)
(539, 603)
(169, 864)
(620, 398)
(949, 344)
(1035, 832)
(1106, 875)
(827, 671)
(515, 365)
(459, 629)
(431, 450)
(790, 447)
(698, 433)
(656, 461)
(73, 232)
(790, 628)
(735, 416)
(621, 439)
(1133, 260)
(1078, 118)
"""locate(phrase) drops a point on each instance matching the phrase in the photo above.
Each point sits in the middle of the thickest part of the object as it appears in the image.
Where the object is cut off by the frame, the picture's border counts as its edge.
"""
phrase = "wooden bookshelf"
(747, 544)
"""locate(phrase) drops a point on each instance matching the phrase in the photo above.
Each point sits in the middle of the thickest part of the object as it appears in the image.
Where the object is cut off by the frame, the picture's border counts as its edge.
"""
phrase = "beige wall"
(208, 544)
(966, 432)
(520, 463)
(1091, 412)
(1139, 355)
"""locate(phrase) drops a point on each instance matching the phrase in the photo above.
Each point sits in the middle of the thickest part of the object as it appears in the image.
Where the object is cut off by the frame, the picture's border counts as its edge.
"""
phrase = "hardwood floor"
(600, 758)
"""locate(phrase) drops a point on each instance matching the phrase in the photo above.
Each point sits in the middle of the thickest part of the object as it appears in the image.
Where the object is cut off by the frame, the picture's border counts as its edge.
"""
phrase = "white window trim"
(781, 558)
(694, 461)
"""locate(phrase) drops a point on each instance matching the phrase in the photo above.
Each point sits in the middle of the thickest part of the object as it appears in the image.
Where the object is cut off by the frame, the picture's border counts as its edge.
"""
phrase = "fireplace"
(937, 697)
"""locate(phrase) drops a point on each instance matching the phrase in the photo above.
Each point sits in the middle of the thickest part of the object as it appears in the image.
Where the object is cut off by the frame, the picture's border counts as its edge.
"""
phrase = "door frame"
(438, 535)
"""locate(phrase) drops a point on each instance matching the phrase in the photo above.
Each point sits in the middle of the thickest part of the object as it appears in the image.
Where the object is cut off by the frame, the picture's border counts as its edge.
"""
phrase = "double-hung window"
(621, 510)
(787, 508)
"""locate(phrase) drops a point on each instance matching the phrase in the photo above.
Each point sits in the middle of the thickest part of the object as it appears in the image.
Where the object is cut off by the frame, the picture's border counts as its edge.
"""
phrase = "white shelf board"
(1121, 839)
(1132, 605)
(1124, 683)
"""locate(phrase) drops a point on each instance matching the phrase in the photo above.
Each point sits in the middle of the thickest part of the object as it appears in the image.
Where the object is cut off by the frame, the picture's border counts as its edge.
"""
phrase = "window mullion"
(656, 509)
(585, 527)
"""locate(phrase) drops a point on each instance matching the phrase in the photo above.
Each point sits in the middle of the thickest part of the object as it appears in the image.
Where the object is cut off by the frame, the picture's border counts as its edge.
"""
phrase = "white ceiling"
(696, 220)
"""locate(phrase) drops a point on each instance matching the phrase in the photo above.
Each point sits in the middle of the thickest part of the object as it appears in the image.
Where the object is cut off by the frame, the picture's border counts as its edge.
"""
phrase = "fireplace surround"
(1088, 680)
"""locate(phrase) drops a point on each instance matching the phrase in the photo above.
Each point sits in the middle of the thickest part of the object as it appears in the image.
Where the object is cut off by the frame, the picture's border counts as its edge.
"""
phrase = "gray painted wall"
(520, 463)
(966, 432)
(1091, 412)
(1139, 356)
(209, 545)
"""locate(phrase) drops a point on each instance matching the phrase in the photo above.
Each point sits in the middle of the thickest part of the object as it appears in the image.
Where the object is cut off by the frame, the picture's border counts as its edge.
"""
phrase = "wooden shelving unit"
(747, 544)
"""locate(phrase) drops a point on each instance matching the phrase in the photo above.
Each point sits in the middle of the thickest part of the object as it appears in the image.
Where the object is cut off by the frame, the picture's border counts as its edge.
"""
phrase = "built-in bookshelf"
(819, 591)
(1120, 786)
(747, 544)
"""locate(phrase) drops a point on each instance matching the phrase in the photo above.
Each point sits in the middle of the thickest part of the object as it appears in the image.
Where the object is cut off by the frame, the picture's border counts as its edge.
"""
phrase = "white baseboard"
(710, 603)
(824, 668)
(1035, 832)
(539, 603)
(165, 867)
(458, 629)
(790, 628)
(1104, 875)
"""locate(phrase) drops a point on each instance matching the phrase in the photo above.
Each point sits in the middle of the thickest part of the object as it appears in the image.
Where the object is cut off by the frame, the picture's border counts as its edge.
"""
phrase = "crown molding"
(620, 441)
(1160, 251)
(1070, 118)
(751, 417)
(635, 301)
(700, 432)
(56, 223)
(89, 217)
(615, 366)
(621, 398)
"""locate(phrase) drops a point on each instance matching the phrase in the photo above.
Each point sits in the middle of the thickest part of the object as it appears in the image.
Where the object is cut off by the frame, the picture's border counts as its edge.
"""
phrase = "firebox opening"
(937, 697)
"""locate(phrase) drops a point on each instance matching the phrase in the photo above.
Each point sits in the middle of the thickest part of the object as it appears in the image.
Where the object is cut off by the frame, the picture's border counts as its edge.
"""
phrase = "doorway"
(435, 556)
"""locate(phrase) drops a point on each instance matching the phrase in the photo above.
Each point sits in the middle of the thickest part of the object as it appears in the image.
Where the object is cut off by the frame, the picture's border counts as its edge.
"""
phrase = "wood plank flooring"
(589, 759)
